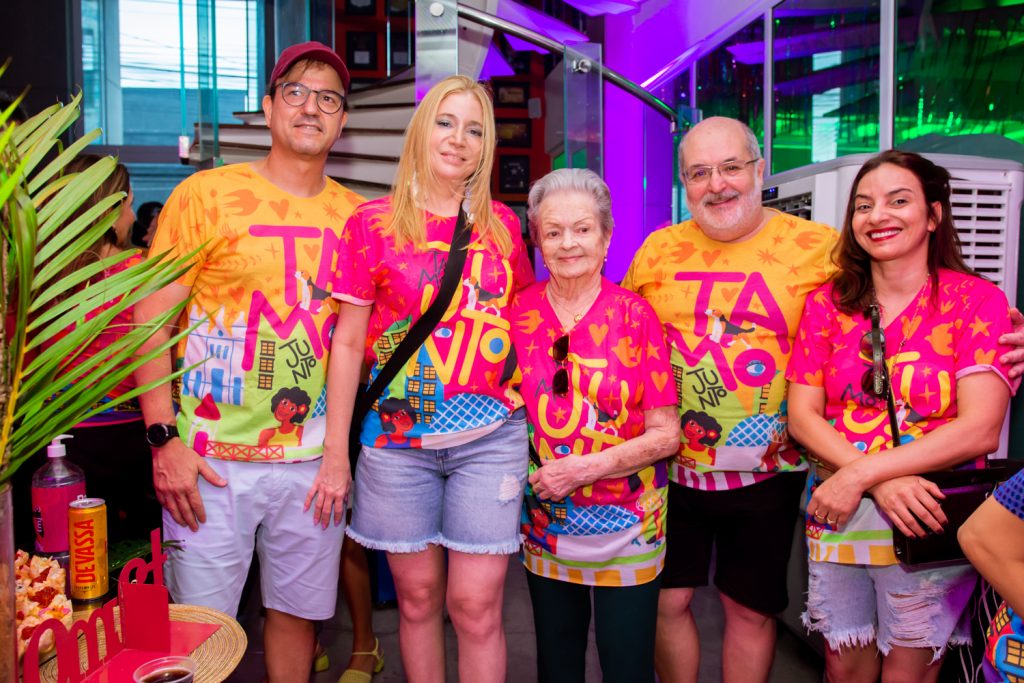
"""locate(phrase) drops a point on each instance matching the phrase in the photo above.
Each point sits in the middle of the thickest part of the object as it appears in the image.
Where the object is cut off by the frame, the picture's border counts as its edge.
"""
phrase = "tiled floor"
(794, 662)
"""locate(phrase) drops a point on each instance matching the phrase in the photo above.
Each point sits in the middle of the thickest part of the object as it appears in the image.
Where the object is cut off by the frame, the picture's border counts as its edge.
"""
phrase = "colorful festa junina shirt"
(610, 533)
(455, 387)
(1004, 648)
(126, 411)
(928, 349)
(731, 312)
(262, 305)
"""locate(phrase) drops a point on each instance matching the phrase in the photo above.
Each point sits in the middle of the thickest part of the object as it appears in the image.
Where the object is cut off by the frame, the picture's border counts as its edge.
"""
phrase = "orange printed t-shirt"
(731, 311)
(262, 302)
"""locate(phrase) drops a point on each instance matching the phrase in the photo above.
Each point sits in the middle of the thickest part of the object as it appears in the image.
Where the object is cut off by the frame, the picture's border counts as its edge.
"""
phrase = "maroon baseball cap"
(310, 50)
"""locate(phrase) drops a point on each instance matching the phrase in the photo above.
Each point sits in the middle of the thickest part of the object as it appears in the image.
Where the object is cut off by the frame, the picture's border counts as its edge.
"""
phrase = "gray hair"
(753, 146)
(581, 180)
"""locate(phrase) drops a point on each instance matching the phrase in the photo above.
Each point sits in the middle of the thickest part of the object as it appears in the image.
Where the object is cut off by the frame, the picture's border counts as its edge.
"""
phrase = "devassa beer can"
(87, 532)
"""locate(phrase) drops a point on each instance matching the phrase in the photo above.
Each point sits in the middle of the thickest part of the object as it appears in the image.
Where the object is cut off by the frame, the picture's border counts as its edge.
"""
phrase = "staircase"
(364, 159)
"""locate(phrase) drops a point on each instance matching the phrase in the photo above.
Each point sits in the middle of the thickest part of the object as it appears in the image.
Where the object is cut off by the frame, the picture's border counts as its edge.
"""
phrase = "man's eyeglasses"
(560, 351)
(698, 175)
(328, 101)
(875, 380)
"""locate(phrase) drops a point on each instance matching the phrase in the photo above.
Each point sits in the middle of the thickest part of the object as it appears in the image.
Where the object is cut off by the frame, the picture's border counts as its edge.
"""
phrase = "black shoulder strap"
(894, 426)
(419, 332)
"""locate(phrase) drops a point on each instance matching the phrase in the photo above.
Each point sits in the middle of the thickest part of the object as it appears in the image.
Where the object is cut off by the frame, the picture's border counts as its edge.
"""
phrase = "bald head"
(725, 127)
(724, 197)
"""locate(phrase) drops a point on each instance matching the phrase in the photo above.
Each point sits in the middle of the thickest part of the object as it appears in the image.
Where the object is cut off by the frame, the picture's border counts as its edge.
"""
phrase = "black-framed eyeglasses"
(328, 101)
(875, 380)
(560, 351)
(698, 175)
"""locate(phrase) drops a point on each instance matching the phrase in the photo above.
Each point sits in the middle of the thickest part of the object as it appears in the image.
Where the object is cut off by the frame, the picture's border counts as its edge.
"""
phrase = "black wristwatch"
(158, 434)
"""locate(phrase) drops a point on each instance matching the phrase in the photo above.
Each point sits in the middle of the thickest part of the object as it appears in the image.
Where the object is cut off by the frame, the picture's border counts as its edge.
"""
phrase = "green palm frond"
(44, 328)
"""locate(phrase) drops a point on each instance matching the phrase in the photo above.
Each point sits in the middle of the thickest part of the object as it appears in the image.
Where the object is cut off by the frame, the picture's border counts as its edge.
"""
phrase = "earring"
(414, 187)
(467, 203)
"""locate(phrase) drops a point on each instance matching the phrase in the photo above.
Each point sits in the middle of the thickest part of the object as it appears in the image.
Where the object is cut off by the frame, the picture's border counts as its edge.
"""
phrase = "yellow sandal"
(321, 662)
(357, 676)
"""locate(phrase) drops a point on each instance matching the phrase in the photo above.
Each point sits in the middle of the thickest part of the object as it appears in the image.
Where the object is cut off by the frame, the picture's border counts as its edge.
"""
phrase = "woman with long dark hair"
(898, 349)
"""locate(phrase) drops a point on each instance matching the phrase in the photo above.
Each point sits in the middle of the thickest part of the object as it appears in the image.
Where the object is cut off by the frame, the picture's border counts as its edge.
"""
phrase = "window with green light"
(730, 80)
(825, 81)
(959, 68)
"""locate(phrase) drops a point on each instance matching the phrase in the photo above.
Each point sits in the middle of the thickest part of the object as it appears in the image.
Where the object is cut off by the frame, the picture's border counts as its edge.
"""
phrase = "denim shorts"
(853, 605)
(465, 498)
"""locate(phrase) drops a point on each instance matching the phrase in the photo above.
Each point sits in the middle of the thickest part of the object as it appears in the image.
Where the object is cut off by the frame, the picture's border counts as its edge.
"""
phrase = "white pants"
(260, 507)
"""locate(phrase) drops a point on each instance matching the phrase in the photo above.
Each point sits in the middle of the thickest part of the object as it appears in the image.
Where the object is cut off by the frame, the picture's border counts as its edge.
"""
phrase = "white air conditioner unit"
(987, 197)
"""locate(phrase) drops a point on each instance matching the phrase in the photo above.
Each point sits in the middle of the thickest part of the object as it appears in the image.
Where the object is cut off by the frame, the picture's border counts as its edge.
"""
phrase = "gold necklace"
(577, 314)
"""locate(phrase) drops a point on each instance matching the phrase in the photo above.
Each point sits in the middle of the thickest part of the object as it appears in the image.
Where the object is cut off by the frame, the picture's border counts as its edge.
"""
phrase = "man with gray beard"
(729, 286)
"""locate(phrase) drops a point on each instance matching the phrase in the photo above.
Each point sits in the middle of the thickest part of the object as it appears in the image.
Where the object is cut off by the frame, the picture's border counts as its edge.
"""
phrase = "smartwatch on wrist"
(158, 434)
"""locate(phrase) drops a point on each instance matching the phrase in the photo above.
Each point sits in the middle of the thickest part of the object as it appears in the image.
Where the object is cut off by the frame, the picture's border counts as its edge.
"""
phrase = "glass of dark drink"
(166, 670)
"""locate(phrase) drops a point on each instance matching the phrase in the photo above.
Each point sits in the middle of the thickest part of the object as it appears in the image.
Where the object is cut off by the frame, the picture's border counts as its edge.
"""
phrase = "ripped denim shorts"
(853, 605)
(466, 498)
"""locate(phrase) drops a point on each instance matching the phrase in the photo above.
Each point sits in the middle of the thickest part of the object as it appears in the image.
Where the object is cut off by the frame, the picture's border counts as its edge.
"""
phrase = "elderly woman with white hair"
(601, 402)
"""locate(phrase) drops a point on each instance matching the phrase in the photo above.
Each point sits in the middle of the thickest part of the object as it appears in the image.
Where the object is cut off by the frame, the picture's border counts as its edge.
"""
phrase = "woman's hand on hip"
(908, 499)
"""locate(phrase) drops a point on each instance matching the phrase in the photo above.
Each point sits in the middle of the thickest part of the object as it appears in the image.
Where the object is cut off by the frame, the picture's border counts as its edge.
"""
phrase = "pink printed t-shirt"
(455, 388)
(936, 346)
(610, 533)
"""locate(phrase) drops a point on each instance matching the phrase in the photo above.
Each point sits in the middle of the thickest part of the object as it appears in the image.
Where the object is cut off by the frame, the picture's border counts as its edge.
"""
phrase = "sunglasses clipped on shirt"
(560, 352)
(875, 380)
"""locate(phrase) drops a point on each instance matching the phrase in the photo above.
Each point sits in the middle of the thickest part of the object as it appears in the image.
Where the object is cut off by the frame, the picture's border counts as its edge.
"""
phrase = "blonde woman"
(444, 454)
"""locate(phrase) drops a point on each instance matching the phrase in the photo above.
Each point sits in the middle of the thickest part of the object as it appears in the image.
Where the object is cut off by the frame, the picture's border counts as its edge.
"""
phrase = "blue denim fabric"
(854, 605)
(466, 498)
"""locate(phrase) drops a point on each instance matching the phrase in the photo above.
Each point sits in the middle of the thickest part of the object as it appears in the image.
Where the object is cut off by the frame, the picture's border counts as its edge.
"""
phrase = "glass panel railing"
(664, 196)
(206, 44)
(401, 48)
(437, 43)
(582, 107)
(291, 23)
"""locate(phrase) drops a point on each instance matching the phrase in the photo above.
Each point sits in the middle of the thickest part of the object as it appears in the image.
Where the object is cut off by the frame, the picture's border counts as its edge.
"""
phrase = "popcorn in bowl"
(39, 595)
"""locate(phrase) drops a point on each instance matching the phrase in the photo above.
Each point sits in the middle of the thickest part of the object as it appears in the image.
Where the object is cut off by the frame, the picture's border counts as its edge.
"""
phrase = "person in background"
(450, 474)
(993, 540)
(109, 447)
(602, 411)
(145, 224)
(898, 348)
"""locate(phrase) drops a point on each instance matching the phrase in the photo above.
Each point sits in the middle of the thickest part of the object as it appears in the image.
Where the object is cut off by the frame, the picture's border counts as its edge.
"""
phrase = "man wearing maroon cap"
(240, 467)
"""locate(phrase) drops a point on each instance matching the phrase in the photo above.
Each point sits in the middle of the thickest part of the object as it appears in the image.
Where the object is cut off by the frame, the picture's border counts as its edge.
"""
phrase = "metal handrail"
(530, 36)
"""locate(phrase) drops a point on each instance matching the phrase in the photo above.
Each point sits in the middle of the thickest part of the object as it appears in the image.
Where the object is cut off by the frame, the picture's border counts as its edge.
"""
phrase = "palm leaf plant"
(41, 395)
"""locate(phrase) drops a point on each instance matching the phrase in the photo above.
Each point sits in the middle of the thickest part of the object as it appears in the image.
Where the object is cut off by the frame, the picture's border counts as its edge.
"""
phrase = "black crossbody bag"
(417, 334)
(965, 490)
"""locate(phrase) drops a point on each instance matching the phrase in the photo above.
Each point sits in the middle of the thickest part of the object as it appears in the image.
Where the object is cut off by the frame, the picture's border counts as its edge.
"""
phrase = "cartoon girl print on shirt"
(290, 407)
(397, 418)
(534, 525)
(701, 432)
